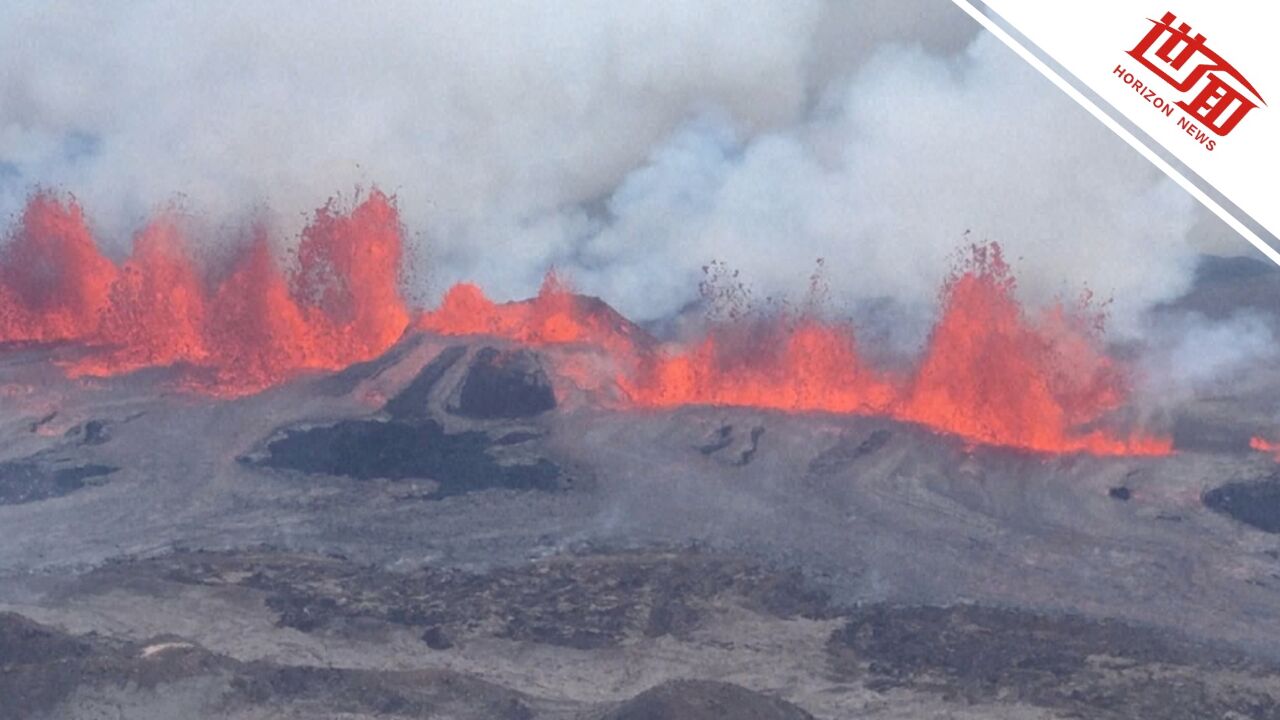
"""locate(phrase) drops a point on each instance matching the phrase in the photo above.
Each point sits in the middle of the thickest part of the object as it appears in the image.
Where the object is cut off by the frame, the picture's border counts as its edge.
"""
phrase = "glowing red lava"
(254, 328)
(991, 372)
(555, 316)
(988, 374)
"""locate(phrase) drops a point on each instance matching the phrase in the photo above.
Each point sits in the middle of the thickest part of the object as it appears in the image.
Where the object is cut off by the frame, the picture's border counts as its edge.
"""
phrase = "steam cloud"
(626, 143)
(1190, 355)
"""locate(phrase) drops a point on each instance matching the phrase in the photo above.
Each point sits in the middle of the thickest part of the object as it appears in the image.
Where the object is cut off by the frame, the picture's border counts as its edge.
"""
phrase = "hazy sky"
(627, 143)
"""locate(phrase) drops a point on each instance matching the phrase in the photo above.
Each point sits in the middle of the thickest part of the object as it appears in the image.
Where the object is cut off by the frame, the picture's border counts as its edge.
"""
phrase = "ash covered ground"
(447, 532)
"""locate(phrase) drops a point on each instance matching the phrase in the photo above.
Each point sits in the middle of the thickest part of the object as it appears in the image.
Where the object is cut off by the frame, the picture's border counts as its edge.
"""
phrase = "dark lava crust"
(584, 602)
(1101, 669)
(1255, 503)
(395, 450)
(47, 673)
(703, 700)
(603, 603)
(410, 442)
(510, 384)
(33, 479)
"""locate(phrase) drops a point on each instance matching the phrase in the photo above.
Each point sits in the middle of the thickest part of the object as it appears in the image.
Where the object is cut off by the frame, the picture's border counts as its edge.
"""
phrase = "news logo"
(1210, 90)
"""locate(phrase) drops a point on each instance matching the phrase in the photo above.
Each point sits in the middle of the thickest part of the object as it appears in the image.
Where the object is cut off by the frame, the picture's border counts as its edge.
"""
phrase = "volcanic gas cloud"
(991, 372)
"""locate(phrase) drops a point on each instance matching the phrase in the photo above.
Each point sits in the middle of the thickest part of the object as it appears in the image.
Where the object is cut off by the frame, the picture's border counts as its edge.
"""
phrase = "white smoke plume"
(1190, 356)
(627, 143)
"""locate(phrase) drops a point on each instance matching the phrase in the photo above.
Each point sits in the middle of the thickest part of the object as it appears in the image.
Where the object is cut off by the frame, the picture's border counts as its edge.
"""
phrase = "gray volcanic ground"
(439, 533)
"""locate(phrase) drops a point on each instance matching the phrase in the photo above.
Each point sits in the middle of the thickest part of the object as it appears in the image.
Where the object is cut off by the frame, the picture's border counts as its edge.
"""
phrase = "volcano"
(539, 509)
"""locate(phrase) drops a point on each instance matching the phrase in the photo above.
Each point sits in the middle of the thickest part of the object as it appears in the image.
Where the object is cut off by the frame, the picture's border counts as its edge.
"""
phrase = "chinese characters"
(1215, 92)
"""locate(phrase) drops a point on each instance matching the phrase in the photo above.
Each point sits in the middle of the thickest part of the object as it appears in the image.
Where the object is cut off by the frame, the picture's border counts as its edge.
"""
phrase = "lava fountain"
(256, 327)
(53, 281)
(991, 372)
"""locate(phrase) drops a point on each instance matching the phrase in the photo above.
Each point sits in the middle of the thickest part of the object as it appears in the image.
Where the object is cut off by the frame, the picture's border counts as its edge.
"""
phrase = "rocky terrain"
(451, 532)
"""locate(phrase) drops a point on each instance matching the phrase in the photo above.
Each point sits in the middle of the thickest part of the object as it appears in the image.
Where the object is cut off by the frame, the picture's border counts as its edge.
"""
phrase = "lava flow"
(991, 373)
(988, 374)
(252, 329)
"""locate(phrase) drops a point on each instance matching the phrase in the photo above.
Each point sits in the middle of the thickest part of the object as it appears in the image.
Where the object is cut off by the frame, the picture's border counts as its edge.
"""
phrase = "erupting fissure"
(991, 372)
(254, 328)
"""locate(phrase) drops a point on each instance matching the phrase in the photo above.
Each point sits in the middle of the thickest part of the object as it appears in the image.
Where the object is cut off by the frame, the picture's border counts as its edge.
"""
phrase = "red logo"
(1213, 91)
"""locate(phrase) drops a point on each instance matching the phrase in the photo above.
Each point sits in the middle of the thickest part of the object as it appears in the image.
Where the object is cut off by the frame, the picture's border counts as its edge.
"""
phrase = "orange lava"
(556, 316)
(1266, 446)
(988, 374)
(991, 373)
(156, 309)
(780, 363)
(256, 327)
(53, 281)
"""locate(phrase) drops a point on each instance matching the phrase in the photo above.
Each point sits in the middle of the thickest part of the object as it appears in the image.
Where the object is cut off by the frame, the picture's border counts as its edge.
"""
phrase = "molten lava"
(155, 314)
(990, 373)
(255, 328)
(53, 281)
(781, 363)
(348, 281)
(556, 316)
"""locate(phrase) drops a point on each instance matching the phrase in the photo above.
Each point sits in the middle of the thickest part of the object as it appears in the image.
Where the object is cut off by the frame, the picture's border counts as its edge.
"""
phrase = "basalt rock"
(504, 384)
(704, 700)
(394, 450)
(36, 478)
(412, 402)
(1255, 503)
(1095, 668)
(48, 673)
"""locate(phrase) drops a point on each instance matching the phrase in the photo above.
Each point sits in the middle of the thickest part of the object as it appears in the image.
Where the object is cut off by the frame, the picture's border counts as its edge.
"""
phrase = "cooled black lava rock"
(24, 481)
(436, 638)
(583, 602)
(1094, 668)
(739, 445)
(275, 691)
(411, 403)
(367, 449)
(39, 666)
(1255, 503)
(47, 673)
(93, 432)
(719, 440)
(704, 700)
(24, 642)
(510, 384)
